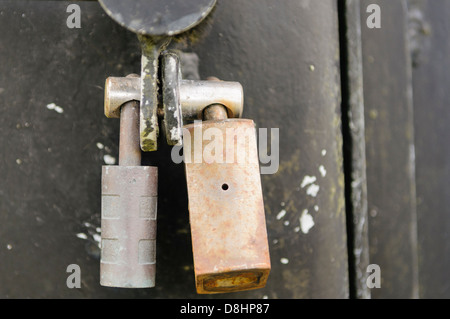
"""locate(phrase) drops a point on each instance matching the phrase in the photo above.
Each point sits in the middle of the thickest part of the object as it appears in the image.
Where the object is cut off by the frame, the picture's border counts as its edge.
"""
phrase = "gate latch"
(226, 209)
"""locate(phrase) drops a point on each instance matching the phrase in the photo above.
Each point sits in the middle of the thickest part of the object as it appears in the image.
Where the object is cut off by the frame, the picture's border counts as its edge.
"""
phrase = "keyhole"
(225, 187)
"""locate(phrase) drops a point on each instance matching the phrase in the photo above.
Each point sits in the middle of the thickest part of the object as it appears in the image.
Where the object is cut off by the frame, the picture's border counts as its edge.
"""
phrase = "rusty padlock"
(129, 204)
(226, 209)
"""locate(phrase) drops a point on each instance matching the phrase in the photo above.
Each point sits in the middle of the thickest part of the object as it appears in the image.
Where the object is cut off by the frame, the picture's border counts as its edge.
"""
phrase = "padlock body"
(226, 209)
(128, 225)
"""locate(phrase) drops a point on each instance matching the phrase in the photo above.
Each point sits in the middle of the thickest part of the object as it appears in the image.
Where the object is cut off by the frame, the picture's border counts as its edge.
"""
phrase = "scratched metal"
(129, 200)
(151, 50)
(226, 209)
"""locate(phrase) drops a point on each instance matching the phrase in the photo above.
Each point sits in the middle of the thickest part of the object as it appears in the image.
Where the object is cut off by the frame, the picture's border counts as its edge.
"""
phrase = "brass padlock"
(226, 209)
(228, 227)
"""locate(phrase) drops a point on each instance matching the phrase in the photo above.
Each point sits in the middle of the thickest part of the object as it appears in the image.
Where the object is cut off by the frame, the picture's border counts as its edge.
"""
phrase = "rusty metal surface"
(226, 210)
(129, 202)
(215, 112)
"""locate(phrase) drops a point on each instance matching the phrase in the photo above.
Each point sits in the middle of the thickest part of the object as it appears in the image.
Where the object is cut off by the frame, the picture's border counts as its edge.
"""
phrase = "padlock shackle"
(129, 149)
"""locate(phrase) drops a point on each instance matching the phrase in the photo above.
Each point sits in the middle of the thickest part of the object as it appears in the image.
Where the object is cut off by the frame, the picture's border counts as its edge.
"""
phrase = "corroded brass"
(228, 227)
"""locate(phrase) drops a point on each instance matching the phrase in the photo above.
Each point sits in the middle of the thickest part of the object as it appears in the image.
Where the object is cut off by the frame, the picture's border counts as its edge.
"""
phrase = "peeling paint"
(313, 190)
(281, 214)
(98, 239)
(56, 108)
(109, 160)
(284, 261)
(306, 222)
(322, 171)
(308, 180)
(82, 236)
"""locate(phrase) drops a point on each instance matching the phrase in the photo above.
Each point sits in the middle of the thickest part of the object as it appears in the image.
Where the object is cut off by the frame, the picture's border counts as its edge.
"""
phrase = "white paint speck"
(306, 222)
(9, 247)
(100, 146)
(284, 261)
(18, 161)
(297, 229)
(313, 190)
(308, 180)
(98, 230)
(281, 214)
(109, 160)
(56, 108)
(316, 208)
(286, 223)
(275, 241)
(283, 204)
(324, 152)
(322, 171)
(82, 236)
(98, 239)
(175, 134)
(265, 297)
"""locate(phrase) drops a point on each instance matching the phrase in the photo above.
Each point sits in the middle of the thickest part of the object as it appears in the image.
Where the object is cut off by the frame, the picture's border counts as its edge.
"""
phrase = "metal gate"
(364, 163)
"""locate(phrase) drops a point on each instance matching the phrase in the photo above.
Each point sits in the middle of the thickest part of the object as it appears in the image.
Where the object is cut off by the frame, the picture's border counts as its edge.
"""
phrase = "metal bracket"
(184, 101)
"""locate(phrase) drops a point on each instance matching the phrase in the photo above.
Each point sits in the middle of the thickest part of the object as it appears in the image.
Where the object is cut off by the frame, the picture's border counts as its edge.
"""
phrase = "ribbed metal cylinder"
(129, 206)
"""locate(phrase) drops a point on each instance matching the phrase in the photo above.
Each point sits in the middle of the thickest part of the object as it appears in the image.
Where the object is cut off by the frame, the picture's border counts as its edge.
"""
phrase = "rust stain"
(228, 226)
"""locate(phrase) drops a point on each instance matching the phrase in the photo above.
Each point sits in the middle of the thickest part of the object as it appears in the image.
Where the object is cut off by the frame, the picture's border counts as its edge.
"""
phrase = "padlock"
(129, 205)
(226, 208)
(229, 236)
